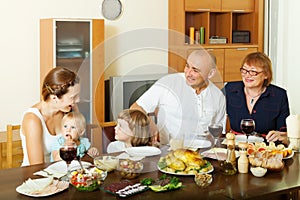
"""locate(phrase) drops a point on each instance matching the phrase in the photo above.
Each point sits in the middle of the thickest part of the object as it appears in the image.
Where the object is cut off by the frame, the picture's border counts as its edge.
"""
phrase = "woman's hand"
(273, 136)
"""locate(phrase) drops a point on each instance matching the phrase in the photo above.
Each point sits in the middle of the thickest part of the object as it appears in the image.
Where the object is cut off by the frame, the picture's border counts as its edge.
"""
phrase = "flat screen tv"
(122, 91)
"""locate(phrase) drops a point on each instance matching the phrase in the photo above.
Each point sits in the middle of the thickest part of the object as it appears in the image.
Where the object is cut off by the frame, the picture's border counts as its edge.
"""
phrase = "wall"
(19, 42)
(284, 48)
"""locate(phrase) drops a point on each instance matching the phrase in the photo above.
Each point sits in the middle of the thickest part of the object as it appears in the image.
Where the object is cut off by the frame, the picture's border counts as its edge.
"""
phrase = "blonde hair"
(139, 124)
(79, 121)
(261, 60)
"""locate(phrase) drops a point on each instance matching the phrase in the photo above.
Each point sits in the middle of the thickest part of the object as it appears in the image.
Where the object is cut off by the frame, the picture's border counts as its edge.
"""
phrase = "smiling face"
(257, 62)
(198, 69)
(252, 81)
(68, 100)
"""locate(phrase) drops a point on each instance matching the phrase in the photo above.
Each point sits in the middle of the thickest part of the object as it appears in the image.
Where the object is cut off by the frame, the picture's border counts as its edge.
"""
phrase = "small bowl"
(106, 163)
(129, 169)
(89, 180)
(258, 171)
(203, 180)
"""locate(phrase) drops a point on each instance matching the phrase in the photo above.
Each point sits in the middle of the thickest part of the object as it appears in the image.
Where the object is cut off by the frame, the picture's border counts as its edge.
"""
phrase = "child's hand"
(81, 150)
(93, 151)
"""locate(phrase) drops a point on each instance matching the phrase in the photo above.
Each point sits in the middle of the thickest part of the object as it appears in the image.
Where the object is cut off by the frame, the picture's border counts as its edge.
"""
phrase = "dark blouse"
(269, 112)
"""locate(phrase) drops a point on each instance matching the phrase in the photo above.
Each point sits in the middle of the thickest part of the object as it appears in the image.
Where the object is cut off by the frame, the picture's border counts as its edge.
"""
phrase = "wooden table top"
(239, 186)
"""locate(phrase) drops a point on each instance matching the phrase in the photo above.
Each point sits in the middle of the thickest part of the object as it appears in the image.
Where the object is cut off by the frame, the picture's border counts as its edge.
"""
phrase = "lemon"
(156, 188)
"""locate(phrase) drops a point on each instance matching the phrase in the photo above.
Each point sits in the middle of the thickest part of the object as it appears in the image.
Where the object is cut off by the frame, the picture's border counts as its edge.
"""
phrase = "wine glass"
(68, 152)
(248, 126)
(216, 131)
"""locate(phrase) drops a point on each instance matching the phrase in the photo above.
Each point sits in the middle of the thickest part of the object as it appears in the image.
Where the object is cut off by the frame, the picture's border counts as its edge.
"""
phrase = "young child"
(133, 129)
(73, 128)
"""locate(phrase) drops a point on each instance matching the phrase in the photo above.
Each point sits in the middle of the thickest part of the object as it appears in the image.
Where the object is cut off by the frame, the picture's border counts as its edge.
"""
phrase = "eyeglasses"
(251, 72)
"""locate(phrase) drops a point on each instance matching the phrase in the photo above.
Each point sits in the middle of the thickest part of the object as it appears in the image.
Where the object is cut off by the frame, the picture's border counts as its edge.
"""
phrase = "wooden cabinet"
(234, 58)
(219, 5)
(218, 18)
(238, 5)
(77, 44)
(204, 5)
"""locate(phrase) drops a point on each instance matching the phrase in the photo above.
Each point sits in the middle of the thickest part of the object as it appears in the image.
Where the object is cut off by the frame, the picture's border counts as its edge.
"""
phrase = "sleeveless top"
(48, 139)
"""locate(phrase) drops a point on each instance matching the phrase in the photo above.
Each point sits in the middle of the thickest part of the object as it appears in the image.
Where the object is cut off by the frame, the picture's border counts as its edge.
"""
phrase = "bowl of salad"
(88, 179)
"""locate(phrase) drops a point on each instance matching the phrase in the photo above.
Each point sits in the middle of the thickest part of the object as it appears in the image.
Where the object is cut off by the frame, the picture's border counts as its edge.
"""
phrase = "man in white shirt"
(186, 103)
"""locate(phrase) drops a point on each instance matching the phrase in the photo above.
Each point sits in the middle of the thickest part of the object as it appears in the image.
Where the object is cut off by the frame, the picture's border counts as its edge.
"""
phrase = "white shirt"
(182, 113)
(48, 139)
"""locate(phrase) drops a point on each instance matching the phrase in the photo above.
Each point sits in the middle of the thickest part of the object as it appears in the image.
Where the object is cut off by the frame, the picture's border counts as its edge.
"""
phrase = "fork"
(48, 173)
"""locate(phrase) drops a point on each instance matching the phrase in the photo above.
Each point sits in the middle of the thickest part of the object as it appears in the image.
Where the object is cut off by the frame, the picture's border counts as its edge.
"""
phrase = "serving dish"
(54, 187)
(218, 153)
(61, 166)
(207, 170)
(106, 163)
(258, 171)
(124, 188)
(129, 169)
(289, 156)
(143, 151)
(87, 180)
(183, 162)
(203, 180)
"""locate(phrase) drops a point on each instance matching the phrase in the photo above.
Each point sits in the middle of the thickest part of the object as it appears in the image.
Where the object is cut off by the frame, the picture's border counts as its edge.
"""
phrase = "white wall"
(284, 48)
(19, 77)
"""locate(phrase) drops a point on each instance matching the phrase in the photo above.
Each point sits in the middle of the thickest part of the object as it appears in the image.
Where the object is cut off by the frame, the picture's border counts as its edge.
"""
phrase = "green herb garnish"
(147, 181)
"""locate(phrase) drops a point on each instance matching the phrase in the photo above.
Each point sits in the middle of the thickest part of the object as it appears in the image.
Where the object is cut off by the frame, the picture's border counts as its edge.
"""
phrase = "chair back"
(108, 134)
(9, 143)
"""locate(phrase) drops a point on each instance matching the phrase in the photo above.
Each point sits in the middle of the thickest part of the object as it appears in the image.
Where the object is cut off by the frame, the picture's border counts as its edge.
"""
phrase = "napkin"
(59, 169)
(50, 173)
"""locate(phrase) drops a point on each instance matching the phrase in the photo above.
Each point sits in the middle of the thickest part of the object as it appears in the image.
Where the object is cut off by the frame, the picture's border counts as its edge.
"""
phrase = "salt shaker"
(230, 137)
(243, 162)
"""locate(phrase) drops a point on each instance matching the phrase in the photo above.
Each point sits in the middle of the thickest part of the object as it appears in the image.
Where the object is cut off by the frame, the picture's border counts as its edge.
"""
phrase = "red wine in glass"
(68, 153)
(248, 126)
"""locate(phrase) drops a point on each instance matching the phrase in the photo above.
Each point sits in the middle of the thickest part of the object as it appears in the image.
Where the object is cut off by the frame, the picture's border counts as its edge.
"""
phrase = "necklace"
(253, 97)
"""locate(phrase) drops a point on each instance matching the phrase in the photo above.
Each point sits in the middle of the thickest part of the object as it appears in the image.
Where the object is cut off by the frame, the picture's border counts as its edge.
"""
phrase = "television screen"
(122, 91)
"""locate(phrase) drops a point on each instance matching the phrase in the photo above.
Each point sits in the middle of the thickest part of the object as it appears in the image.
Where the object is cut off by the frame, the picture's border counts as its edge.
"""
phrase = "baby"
(133, 129)
(73, 128)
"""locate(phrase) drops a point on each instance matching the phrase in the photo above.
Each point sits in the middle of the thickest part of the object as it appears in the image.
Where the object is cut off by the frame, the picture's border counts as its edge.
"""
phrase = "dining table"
(274, 185)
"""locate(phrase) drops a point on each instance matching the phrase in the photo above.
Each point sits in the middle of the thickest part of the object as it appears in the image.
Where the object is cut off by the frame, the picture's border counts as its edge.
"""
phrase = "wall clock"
(111, 9)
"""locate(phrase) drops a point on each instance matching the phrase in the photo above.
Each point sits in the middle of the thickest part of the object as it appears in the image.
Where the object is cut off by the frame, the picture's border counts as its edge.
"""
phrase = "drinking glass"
(248, 126)
(216, 131)
(68, 152)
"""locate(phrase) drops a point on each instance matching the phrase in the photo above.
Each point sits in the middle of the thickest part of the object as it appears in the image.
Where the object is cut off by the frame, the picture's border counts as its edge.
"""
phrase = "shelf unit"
(218, 18)
(77, 44)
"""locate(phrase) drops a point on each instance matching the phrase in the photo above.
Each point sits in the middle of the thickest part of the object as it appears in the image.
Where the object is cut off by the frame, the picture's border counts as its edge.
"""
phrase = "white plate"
(143, 151)
(195, 144)
(179, 174)
(243, 138)
(56, 187)
(290, 156)
(61, 166)
(221, 153)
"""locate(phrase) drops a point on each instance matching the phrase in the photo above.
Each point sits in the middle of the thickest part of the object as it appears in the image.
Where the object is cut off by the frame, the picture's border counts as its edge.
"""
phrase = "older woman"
(256, 98)
(41, 123)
